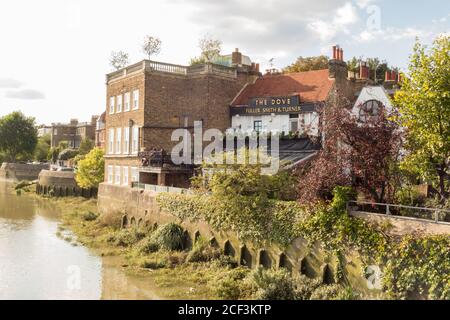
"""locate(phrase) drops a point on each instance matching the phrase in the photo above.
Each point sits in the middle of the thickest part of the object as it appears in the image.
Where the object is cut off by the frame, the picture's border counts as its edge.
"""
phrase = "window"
(110, 174)
(134, 175)
(135, 140)
(119, 104)
(112, 103)
(118, 148)
(257, 125)
(310, 123)
(293, 123)
(55, 132)
(125, 176)
(117, 170)
(369, 108)
(126, 140)
(127, 102)
(111, 141)
(135, 99)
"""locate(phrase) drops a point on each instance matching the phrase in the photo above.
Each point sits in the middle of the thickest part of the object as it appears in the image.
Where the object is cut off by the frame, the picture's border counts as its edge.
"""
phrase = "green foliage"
(419, 265)
(304, 287)
(42, 148)
(272, 284)
(424, 112)
(86, 146)
(331, 292)
(67, 154)
(90, 216)
(18, 136)
(232, 286)
(308, 64)
(169, 237)
(91, 169)
(203, 252)
(126, 237)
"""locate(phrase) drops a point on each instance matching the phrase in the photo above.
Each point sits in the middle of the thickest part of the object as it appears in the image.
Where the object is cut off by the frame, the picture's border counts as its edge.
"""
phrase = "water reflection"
(36, 264)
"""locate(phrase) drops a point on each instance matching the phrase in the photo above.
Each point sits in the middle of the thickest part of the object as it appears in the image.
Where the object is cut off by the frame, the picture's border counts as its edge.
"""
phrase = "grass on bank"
(203, 272)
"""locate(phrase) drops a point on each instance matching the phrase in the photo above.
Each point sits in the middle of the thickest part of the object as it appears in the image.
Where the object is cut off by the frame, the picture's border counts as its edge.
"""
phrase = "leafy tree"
(67, 154)
(308, 64)
(52, 154)
(90, 171)
(210, 49)
(86, 146)
(18, 136)
(424, 107)
(151, 46)
(356, 153)
(353, 64)
(42, 148)
(119, 60)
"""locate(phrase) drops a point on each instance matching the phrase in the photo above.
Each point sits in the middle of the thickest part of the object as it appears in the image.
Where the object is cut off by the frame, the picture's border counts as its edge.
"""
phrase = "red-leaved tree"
(356, 152)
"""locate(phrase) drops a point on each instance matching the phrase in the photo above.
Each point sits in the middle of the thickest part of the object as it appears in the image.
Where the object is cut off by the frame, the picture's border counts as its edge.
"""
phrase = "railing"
(165, 67)
(436, 215)
(158, 189)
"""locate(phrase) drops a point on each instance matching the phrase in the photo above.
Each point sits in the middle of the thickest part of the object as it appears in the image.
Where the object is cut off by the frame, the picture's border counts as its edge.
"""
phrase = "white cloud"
(25, 94)
(391, 34)
(10, 83)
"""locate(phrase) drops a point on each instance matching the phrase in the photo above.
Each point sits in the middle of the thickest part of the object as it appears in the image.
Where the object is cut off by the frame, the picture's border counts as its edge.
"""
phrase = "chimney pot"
(342, 54)
(334, 52)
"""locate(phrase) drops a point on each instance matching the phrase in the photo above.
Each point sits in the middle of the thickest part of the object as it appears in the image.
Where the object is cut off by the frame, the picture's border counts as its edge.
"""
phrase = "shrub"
(272, 284)
(304, 287)
(110, 219)
(126, 237)
(90, 216)
(233, 286)
(147, 245)
(169, 237)
(327, 292)
(203, 252)
(154, 265)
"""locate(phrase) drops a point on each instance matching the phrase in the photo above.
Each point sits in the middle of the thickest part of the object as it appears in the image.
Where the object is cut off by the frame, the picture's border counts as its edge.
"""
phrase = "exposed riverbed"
(38, 262)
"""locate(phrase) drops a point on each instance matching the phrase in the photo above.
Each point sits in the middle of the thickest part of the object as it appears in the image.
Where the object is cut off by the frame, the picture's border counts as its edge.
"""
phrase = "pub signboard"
(272, 105)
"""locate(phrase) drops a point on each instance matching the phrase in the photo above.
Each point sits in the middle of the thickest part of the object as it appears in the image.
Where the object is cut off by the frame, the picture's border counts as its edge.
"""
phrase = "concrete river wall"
(16, 172)
(138, 207)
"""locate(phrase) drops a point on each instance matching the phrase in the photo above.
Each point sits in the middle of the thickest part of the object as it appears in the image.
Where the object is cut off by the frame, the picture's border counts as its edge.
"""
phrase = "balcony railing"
(159, 189)
(430, 214)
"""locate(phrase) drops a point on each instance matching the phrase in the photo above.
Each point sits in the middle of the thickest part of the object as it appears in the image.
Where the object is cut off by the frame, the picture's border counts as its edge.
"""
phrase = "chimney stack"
(341, 54)
(337, 67)
(236, 57)
(334, 52)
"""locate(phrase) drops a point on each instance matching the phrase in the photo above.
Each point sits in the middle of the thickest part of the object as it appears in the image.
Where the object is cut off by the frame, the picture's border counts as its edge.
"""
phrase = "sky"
(54, 54)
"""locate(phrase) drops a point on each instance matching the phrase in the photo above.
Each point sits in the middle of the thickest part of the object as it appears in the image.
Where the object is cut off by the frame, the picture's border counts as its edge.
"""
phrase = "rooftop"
(311, 86)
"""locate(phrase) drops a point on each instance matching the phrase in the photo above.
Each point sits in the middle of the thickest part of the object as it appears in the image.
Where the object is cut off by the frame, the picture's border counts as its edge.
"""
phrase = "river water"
(36, 263)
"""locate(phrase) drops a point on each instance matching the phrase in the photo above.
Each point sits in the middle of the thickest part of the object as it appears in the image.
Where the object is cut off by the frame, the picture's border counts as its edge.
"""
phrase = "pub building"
(147, 101)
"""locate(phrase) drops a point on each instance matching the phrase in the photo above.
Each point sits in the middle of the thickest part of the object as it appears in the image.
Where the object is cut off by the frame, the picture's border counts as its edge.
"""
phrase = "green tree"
(210, 49)
(424, 106)
(86, 146)
(308, 64)
(18, 136)
(91, 169)
(42, 148)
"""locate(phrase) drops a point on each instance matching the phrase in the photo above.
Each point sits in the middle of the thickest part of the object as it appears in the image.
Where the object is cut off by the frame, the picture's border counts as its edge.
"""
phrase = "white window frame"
(135, 99)
(118, 144)
(111, 141)
(135, 140)
(119, 103)
(110, 174)
(127, 102)
(134, 174)
(112, 104)
(125, 175)
(117, 174)
(126, 140)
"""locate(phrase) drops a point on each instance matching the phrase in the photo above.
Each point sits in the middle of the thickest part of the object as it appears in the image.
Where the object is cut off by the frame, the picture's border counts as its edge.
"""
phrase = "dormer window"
(370, 108)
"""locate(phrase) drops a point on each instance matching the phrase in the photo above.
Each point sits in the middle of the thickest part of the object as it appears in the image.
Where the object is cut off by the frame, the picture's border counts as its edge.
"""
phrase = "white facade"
(306, 122)
(373, 93)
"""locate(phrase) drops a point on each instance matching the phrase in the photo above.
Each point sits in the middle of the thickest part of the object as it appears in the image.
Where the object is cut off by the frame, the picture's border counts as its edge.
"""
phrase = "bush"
(203, 252)
(90, 216)
(169, 237)
(304, 287)
(328, 292)
(233, 286)
(147, 245)
(272, 284)
(110, 219)
(126, 237)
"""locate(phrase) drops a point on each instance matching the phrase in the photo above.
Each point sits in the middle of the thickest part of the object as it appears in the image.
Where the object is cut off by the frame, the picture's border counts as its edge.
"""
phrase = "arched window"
(369, 108)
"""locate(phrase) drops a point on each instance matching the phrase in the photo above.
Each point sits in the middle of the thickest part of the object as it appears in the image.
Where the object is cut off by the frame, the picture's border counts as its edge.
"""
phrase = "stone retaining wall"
(16, 172)
(138, 207)
(61, 184)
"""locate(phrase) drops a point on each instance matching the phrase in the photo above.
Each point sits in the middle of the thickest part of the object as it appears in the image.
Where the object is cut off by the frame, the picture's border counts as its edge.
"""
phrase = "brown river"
(36, 263)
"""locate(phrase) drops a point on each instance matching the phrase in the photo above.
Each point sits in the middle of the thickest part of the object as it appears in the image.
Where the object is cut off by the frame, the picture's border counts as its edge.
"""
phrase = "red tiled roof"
(312, 86)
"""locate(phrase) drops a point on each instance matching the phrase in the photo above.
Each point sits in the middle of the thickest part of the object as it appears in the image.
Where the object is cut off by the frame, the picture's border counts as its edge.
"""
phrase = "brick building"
(100, 131)
(73, 132)
(147, 101)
